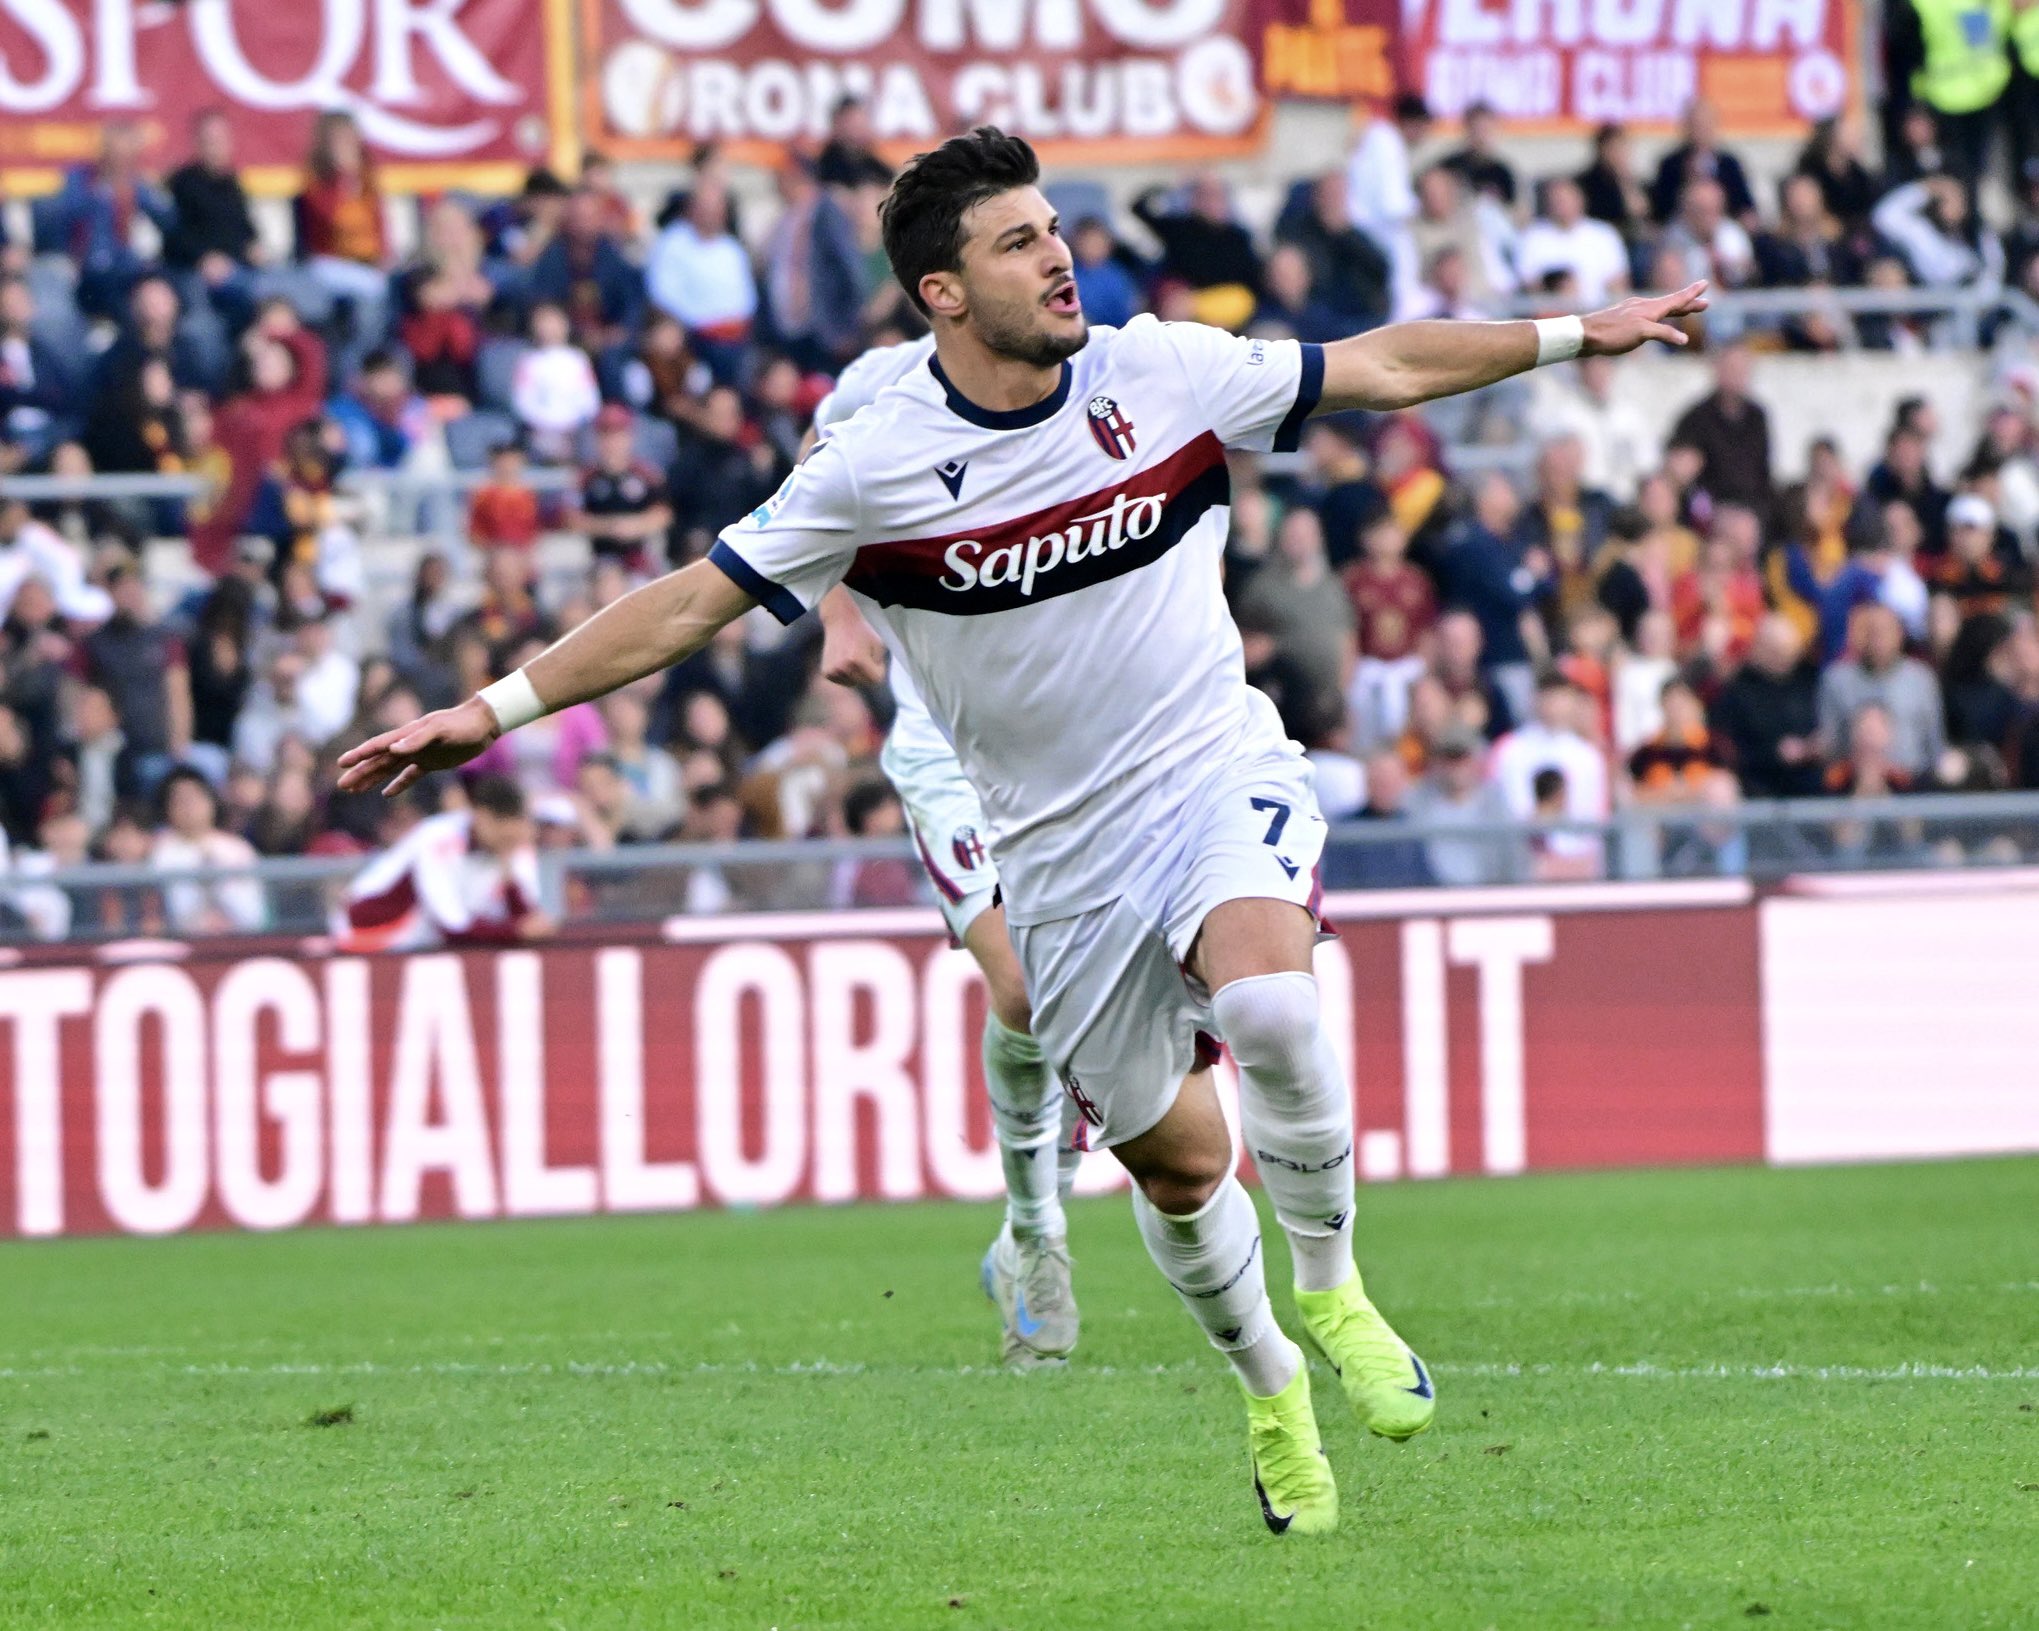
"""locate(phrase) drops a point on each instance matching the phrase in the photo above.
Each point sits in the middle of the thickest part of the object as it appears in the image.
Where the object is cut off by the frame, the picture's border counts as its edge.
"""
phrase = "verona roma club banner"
(1087, 81)
(831, 1058)
(447, 92)
(1771, 67)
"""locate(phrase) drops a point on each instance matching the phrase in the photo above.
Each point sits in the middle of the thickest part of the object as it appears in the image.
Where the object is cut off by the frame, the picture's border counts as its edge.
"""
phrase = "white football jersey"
(915, 740)
(1050, 578)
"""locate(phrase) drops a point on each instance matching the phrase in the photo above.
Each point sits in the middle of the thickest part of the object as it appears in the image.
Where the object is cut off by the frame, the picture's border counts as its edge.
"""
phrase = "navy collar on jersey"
(1010, 419)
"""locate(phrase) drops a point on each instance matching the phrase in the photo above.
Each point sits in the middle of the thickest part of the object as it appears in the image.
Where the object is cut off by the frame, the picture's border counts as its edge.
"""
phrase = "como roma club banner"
(834, 1057)
(1087, 81)
(448, 92)
(1769, 66)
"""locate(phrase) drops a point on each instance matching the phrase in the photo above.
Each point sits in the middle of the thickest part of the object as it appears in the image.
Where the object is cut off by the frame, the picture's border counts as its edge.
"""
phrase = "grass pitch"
(1792, 1399)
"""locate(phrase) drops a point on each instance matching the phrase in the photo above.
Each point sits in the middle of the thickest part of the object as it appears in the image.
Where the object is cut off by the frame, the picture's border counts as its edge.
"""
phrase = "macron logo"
(1128, 520)
(952, 476)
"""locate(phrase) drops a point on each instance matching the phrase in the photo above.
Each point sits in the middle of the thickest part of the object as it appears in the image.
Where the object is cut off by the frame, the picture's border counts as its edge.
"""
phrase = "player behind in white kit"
(1026, 1271)
(1036, 523)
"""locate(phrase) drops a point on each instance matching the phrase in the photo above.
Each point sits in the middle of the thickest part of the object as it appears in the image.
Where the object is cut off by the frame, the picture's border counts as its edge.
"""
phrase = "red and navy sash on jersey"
(1004, 565)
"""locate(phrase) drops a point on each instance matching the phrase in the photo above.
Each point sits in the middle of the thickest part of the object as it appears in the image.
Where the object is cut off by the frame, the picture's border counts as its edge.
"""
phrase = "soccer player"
(464, 878)
(1035, 524)
(1026, 1271)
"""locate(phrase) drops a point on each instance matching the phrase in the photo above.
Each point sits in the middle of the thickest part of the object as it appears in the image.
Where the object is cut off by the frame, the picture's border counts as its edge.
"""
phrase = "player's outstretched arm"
(1407, 363)
(648, 629)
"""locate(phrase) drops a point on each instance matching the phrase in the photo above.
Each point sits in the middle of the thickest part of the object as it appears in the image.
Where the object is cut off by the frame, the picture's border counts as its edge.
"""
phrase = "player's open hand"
(1620, 329)
(439, 741)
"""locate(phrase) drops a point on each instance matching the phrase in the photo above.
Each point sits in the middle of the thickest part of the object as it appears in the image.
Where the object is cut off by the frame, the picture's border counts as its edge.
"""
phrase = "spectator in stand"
(1580, 402)
(1555, 739)
(624, 507)
(1487, 571)
(1467, 686)
(141, 666)
(1731, 433)
(1832, 156)
(1636, 685)
(1382, 863)
(1380, 188)
(309, 523)
(190, 840)
(212, 245)
(38, 386)
(1807, 245)
(1718, 604)
(285, 368)
(1566, 238)
(1708, 238)
(1341, 487)
(1206, 249)
(1456, 792)
(31, 548)
(850, 157)
(122, 391)
(1869, 767)
(1448, 218)
(1349, 271)
(1700, 157)
(1289, 307)
(443, 300)
(1876, 670)
(657, 793)
(340, 237)
(1933, 224)
(502, 512)
(584, 273)
(1394, 607)
(1766, 717)
(328, 684)
(700, 274)
(95, 213)
(731, 470)
(463, 878)
(1975, 572)
(1480, 162)
(1292, 597)
(1904, 477)
(554, 391)
(381, 421)
(1109, 294)
(1567, 521)
(1445, 290)
(1609, 185)
(1675, 765)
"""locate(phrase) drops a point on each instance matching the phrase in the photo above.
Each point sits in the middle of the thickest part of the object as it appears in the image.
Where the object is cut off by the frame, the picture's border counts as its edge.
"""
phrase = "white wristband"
(513, 700)
(1558, 339)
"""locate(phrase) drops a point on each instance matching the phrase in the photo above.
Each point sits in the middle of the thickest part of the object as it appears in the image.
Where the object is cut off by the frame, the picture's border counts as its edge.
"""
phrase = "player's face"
(1018, 277)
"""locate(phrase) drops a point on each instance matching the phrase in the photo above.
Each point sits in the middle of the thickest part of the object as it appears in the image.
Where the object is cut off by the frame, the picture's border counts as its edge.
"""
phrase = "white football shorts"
(1117, 1014)
(949, 831)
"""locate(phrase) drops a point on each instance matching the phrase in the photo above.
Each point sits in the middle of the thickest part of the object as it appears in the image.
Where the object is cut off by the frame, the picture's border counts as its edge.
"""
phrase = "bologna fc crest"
(969, 848)
(1113, 430)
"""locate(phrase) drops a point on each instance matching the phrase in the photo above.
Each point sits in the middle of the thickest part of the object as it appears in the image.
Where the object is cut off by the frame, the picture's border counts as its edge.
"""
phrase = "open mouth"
(1063, 299)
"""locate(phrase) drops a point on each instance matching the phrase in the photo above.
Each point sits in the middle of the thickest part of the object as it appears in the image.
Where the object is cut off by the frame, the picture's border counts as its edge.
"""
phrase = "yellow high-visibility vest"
(1967, 63)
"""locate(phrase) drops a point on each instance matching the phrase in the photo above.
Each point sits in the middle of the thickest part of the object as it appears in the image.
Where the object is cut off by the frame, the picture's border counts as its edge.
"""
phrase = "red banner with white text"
(1770, 67)
(1087, 81)
(835, 1058)
(469, 93)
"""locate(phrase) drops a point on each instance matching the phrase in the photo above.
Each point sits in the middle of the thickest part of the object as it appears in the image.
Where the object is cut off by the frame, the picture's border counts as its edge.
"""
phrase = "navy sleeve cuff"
(780, 601)
(1309, 391)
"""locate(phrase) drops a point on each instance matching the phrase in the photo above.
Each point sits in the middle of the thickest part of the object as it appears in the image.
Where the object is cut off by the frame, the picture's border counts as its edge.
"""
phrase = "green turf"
(789, 1420)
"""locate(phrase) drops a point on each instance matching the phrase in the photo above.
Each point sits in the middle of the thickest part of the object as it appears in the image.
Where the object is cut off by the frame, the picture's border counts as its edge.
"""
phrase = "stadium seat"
(471, 439)
(495, 371)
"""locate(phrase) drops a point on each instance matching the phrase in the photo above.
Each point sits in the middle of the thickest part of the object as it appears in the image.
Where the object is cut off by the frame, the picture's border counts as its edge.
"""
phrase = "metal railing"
(1970, 309)
(1762, 839)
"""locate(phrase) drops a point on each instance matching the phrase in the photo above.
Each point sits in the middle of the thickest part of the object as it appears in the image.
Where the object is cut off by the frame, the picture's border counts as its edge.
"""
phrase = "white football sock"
(1212, 1258)
(1026, 1111)
(1295, 1110)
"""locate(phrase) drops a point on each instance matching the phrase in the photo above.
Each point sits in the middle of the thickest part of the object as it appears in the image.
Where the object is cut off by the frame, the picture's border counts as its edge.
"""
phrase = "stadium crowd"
(1637, 623)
